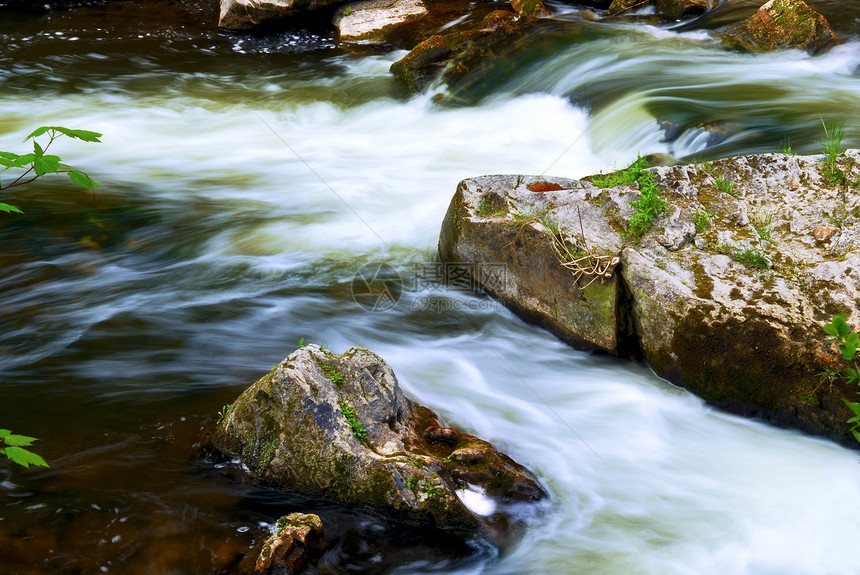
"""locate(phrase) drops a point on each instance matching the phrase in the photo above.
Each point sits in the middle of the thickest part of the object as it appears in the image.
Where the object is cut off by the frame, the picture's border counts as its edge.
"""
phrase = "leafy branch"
(849, 343)
(39, 163)
(15, 451)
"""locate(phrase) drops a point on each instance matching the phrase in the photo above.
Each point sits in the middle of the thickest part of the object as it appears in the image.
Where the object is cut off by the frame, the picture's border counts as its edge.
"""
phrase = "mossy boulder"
(457, 57)
(250, 14)
(532, 8)
(339, 427)
(725, 295)
(783, 25)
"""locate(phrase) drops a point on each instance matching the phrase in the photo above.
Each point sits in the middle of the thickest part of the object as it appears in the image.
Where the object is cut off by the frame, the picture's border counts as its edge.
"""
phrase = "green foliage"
(225, 411)
(27, 167)
(551, 225)
(301, 342)
(848, 340)
(751, 258)
(410, 483)
(628, 175)
(15, 451)
(532, 215)
(347, 11)
(702, 221)
(331, 373)
(849, 343)
(725, 185)
(763, 224)
(831, 146)
(647, 206)
(786, 146)
(282, 522)
(355, 424)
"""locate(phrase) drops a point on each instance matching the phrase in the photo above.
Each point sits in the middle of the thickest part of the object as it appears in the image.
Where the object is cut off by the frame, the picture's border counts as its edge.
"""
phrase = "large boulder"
(373, 20)
(340, 428)
(726, 294)
(455, 58)
(782, 25)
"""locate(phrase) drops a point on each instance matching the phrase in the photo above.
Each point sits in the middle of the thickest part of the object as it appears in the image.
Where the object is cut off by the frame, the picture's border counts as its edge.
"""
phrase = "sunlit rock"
(372, 20)
(249, 14)
(288, 551)
(725, 294)
(783, 25)
(339, 427)
(533, 8)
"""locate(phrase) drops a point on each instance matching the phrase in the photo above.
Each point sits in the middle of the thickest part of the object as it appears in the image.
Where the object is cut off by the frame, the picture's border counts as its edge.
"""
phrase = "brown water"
(128, 320)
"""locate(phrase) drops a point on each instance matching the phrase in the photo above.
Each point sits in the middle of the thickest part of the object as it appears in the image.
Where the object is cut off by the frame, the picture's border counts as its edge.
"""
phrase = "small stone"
(794, 184)
(288, 551)
(824, 234)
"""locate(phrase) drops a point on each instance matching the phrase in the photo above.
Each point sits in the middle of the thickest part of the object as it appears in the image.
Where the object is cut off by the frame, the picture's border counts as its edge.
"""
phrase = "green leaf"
(38, 149)
(84, 135)
(24, 161)
(856, 434)
(47, 165)
(4, 433)
(8, 155)
(19, 440)
(8, 209)
(38, 132)
(838, 328)
(83, 180)
(853, 406)
(23, 457)
(849, 346)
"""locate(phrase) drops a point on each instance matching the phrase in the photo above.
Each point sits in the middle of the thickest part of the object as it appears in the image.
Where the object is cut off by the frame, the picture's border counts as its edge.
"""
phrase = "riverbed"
(247, 179)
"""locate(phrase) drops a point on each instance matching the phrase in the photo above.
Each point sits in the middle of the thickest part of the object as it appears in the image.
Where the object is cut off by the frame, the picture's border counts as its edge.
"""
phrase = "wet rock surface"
(340, 428)
(726, 294)
(783, 25)
(287, 552)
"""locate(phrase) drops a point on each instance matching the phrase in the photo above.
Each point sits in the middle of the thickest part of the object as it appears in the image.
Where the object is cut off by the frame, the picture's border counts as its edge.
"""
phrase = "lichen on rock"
(726, 294)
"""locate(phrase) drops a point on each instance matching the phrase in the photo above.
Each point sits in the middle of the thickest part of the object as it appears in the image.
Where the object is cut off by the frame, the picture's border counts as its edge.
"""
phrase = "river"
(247, 179)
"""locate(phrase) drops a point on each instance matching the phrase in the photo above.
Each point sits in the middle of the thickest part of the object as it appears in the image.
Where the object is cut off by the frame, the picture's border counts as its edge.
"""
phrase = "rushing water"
(246, 180)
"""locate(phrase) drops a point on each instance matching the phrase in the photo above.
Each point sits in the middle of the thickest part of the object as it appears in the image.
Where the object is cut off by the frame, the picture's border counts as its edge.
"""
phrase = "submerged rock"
(726, 294)
(783, 25)
(288, 551)
(372, 20)
(340, 428)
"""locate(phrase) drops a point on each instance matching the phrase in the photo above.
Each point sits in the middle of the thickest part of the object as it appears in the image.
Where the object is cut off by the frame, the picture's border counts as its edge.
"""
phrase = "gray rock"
(249, 14)
(731, 306)
(372, 20)
(339, 427)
